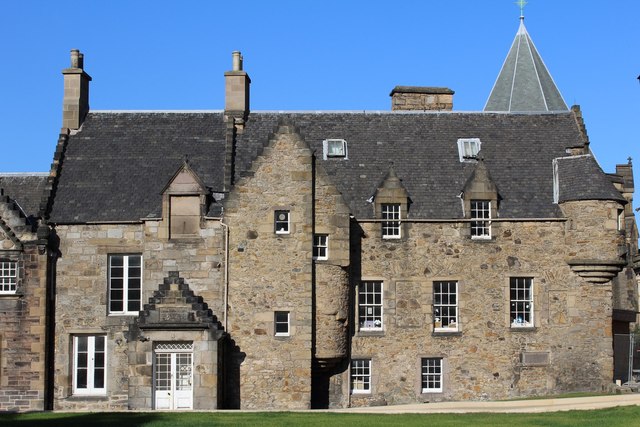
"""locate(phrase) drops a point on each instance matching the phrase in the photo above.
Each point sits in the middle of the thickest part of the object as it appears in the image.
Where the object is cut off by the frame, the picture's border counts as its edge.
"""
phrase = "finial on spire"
(522, 4)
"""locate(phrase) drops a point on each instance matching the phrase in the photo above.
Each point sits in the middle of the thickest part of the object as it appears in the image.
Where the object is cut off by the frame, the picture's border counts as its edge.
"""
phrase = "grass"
(620, 417)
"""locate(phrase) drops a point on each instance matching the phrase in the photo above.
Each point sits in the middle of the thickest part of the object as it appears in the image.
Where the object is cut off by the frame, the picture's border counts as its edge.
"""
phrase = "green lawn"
(619, 417)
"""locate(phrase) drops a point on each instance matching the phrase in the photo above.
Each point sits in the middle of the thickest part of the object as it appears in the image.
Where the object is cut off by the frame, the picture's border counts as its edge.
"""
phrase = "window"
(89, 364)
(334, 148)
(320, 247)
(480, 215)
(445, 306)
(8, 277)
(620, 219)
(468, 149)
(125, 279)
(370, 305)
(391, 223)
(431, 370)
(360, 376)
(281, 323)
(521, 304)
(281, 222)
(185, 216)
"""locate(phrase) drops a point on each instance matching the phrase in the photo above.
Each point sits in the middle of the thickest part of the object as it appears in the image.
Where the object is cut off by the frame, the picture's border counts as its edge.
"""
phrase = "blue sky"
(309, 55)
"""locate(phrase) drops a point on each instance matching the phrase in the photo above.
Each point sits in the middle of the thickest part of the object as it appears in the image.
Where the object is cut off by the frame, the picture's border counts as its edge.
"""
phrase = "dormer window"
(468, 149)
(481, 219)
(391, 221)
(334, 148)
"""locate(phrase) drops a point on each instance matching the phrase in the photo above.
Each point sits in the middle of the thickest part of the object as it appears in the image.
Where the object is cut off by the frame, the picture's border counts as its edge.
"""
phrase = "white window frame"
(321, 247)
(329, 144)
(391, 226)
(445, 306)
(282, 225)
(92, 363)
(468, 149)
(480, 219)
(431, 374)
(126, 284)
(282, 318)
(360, 376)
(371, 305)
(521, 302)
(8, 277)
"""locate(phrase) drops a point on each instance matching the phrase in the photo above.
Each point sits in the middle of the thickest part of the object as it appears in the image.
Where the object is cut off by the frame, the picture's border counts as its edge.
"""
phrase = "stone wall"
(271, 272)
(82, 272)
(483, 360)
(23, 315)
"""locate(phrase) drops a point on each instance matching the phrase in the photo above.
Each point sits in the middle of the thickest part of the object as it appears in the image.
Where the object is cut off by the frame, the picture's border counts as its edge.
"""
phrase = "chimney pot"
(237, 61)
(75, 58)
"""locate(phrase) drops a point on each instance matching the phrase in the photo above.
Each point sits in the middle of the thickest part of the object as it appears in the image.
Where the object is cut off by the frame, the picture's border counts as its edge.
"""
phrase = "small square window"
(321, 247)
(334, 148)
(468, 149)
(431, 368)
(281, 323)
(391, 224)
(281, 222)
(481, 219)
(8, 277)
(521, 302)
(361, 376)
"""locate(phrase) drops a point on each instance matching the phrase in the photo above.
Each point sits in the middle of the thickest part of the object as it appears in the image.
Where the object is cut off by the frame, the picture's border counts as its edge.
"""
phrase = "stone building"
(243, 259)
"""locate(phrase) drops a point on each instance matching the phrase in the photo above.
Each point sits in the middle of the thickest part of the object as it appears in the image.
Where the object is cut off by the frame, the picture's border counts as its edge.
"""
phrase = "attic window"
(468, 149)
(334, 148)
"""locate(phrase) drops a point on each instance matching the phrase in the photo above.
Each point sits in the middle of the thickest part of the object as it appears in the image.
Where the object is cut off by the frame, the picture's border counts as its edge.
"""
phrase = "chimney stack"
(417, 98)
(75, 104)
(237, 81)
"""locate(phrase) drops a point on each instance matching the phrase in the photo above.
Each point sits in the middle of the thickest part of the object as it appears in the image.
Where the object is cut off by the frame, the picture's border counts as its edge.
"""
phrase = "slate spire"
(524, 83)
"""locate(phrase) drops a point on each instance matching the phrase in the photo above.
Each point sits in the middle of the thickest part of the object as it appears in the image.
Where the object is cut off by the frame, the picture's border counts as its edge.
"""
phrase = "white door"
(173, 376)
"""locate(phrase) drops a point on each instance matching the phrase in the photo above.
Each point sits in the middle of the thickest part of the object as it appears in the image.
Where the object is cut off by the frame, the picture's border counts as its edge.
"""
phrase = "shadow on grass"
(90, 419)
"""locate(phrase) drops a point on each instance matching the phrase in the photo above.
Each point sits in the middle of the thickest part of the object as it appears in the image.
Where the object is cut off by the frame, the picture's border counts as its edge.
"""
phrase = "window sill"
(523, 328)
(371, 333)
(444, 333)
(482, 239)
(87, 397)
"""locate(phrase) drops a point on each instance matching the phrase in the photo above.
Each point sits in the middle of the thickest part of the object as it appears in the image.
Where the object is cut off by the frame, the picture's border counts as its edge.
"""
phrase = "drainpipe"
(226, 275)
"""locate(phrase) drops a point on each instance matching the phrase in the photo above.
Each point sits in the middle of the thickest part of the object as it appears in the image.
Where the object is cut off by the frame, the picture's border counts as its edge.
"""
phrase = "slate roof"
(580, 178)
(25, 188)
(118, 163)
(115, 167)
(524, 82)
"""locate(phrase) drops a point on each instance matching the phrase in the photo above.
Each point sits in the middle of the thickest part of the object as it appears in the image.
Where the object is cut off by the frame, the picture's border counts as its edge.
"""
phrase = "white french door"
(173, 376)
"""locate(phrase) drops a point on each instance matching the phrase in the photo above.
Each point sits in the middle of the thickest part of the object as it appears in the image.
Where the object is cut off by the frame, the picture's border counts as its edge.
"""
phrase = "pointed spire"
(524, 83)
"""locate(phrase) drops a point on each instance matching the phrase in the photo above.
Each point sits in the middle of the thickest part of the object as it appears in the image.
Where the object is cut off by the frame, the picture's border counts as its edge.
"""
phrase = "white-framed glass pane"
(281, 323)
(361, 376)
(281, 221)
(445, 305)
(8, 277)
(370, 305)
(431, 369)
(481, 219)
(125, 284)
(89, 358)
(336, 148)
(521, 301)
(391, 225)
(321, 246)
